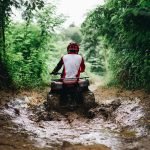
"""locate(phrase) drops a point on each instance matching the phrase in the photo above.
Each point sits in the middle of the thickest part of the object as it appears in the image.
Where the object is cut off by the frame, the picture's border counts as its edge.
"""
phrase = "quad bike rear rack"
(69, 78)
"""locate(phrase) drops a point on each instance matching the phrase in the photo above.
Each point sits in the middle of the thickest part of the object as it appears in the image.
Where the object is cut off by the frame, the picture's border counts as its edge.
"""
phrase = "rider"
(73, 63)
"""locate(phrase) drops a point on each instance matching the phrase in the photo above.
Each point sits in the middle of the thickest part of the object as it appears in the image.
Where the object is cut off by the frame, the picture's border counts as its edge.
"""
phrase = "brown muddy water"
(28, 127)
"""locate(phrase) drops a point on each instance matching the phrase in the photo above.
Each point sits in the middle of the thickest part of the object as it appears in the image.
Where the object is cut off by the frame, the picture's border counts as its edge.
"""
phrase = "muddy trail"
(120, 122)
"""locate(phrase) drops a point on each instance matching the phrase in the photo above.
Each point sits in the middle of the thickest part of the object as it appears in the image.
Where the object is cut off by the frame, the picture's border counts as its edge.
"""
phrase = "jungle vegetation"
(114, 39)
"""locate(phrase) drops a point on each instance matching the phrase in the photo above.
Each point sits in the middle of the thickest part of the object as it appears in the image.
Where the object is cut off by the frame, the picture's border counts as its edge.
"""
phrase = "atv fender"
(88, 100)
(53, 101)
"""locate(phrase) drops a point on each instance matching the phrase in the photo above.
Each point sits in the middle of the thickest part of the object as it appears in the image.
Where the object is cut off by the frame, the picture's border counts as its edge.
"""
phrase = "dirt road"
(125, 128)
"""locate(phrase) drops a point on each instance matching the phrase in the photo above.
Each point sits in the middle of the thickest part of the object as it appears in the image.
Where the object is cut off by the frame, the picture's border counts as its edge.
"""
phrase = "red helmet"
(73, 46)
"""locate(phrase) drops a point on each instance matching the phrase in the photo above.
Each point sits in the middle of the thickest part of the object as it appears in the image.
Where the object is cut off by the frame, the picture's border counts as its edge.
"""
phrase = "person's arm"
(82, 66)
(58, 67)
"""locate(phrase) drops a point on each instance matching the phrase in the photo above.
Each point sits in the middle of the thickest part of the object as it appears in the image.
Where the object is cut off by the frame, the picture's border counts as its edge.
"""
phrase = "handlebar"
(57, 73)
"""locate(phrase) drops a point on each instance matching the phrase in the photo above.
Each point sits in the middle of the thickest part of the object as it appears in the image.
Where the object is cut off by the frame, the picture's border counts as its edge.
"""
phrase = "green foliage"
(72, 33)
(121, 27)
(48, 19)
(30, 49)
(25, 55)
(5, 11)
(27, 7)
(130, 70)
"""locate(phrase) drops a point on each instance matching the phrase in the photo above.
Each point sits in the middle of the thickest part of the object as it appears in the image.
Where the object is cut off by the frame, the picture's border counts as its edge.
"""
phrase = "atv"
(70, 94)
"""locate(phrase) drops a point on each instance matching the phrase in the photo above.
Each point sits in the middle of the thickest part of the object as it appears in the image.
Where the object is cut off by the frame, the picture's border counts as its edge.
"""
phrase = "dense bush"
(120, 29)
(25, 54)
(27, 8)
(72, 33)
(30, 48)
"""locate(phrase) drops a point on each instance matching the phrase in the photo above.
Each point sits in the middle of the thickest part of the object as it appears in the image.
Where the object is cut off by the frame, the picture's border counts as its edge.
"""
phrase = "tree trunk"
(2, 37)
(4, 77)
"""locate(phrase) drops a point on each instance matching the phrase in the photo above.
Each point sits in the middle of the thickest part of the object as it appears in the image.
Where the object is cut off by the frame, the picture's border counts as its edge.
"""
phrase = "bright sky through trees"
(76, 9)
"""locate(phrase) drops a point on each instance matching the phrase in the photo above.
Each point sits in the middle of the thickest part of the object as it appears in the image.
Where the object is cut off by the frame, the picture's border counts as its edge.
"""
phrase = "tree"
(5, 11)
(122, 28)
(72, 33)
(29, 48)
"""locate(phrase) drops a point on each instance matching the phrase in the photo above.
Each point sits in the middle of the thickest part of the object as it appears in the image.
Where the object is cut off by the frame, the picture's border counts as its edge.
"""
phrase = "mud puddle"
(116, 122)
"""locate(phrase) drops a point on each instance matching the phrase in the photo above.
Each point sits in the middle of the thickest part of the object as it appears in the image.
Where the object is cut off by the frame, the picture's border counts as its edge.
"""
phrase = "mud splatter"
(125, 127)
(76, 128)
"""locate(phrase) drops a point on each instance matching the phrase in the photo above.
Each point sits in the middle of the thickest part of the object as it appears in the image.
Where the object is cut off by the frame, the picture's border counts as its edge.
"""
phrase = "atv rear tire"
(88, 100)
(53, 101)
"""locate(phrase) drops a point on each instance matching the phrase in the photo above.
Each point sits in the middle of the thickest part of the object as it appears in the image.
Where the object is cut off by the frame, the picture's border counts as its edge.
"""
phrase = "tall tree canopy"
(120, 30)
